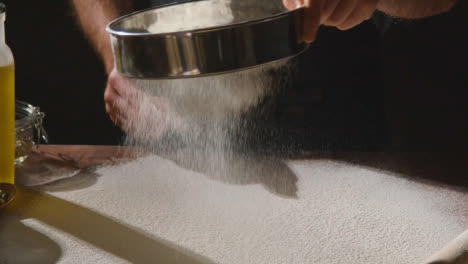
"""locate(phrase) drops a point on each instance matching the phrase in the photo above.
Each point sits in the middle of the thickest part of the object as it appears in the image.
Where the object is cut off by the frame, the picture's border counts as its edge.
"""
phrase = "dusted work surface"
(349, 208)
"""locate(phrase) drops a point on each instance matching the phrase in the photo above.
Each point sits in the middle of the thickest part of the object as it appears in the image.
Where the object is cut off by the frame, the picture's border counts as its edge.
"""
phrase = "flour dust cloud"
(201, 119)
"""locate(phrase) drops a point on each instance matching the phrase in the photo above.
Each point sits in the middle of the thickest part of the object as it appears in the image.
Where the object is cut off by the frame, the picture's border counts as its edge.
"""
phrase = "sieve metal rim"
(210, 51)
(109, 27)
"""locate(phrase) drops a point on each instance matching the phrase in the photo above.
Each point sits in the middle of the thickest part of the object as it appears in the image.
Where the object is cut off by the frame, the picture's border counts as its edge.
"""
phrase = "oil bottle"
(7, 107)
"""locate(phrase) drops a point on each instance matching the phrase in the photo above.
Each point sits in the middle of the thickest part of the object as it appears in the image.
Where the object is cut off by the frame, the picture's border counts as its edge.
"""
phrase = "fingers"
(361, 13)
(119, 95)
(328, 9)
(349, 13)
(312, 10)
(293, 4)
(121, 85)
(128, 107)
(115, 105)
(121, 112)
(341, 12)
(312, 14)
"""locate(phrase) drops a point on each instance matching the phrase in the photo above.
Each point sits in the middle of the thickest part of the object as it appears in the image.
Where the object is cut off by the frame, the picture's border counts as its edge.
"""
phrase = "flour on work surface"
(341, 213)
(152, 209)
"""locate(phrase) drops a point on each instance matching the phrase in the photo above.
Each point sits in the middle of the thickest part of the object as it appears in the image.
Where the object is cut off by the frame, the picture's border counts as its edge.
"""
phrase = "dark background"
(363, 89)
(57, 70)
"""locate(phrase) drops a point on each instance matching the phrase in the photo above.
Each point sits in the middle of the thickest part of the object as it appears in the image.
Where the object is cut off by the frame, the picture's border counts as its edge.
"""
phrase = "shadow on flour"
(54, 174)
(20, 244)
(100, 231)
(449, 169)
(242, 169)
(68, 168)
(81, 180)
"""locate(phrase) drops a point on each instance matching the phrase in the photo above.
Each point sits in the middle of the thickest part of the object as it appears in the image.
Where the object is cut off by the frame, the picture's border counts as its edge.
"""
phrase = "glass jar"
(29, 130)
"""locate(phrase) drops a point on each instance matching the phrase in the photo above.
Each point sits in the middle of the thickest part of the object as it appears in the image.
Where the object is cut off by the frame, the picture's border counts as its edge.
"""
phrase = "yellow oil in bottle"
(7, 124)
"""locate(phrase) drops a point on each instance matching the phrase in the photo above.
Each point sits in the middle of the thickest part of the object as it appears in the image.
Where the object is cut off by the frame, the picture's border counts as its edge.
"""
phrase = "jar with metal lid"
(29, 130)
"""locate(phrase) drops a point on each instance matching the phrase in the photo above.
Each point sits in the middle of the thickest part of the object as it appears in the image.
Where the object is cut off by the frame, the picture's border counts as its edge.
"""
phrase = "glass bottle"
(7, 107)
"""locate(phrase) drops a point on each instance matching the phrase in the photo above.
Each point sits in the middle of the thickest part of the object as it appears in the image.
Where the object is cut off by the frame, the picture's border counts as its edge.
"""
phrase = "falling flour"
(312, 212)
(200, 118)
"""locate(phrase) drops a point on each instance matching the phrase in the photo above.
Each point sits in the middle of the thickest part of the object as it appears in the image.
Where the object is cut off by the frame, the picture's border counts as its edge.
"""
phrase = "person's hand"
(139, 114)
(343, 14)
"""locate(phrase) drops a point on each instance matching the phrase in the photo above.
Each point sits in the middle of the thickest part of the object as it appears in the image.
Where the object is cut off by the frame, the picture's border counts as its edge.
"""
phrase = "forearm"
(415, 8)
(94, 16)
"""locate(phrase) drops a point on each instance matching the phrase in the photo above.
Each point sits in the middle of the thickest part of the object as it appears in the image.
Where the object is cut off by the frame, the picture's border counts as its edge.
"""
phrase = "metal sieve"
(260, 32)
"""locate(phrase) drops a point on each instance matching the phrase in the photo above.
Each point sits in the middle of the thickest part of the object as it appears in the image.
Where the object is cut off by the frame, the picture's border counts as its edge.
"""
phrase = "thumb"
(293, 4)
(312, 12)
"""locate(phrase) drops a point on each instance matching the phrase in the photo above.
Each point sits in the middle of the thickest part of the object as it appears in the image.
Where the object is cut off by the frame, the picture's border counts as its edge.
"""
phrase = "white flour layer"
(342, 214)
